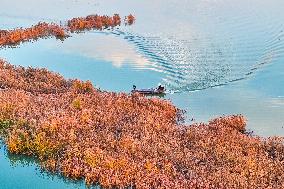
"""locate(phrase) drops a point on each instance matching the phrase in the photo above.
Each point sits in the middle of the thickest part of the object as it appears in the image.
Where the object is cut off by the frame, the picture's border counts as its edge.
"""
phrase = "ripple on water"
(204, 44)
(230, 44)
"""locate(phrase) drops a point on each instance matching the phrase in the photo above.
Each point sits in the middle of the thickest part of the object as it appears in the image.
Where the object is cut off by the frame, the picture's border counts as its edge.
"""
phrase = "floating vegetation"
(13, 37)
(121, 140)
(93, 22)
(130, 19)
(42, 29)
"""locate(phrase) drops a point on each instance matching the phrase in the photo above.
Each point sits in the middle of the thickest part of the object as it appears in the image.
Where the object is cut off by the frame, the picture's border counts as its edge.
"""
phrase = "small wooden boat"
(152, 91)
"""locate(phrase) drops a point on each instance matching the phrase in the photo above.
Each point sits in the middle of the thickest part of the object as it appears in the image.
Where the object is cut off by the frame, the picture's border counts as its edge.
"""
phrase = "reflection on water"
(203, 44)
(264, 109)
(105, 48)
(219, 56)
(216, 51)
(86, 63)
(22, 172)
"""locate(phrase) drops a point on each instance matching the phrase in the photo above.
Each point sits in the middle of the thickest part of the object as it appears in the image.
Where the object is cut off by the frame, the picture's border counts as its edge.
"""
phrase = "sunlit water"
(216, 57)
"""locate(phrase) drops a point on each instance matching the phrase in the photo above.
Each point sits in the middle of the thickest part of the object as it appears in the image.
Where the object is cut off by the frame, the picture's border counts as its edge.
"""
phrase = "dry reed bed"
(42, 29)
(128, 140)
(12, 37)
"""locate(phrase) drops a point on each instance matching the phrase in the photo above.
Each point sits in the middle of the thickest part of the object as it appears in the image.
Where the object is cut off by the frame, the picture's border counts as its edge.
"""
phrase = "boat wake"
(190, 68)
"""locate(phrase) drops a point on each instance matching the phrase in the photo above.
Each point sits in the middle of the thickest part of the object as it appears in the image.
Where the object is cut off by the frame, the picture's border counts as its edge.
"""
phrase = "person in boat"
(161, 88)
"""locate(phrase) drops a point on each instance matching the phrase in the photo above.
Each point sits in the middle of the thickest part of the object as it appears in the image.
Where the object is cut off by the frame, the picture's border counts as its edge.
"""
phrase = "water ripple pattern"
(214, 43)
(195, 44)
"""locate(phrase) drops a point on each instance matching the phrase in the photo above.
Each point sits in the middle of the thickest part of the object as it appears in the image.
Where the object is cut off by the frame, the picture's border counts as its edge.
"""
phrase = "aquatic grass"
(5, 124)
(93, 22)
(121, 140)
(130, 19)
(43, 29)
(40, 30)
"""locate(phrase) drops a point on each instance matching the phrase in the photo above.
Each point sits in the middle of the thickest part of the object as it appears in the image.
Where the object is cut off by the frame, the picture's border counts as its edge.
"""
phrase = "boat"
(160, 90)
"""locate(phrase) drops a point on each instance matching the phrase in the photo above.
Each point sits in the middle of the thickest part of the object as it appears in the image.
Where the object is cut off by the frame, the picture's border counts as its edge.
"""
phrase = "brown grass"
(42, 29)
(93, 22)
(12, 37)
(128, 140)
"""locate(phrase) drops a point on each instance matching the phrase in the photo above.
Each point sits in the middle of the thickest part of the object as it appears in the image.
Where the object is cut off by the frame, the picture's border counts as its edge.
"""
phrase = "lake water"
(216, 57)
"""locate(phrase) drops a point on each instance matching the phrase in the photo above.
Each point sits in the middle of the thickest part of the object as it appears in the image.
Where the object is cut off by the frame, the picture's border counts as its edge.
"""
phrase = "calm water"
(216, 57)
